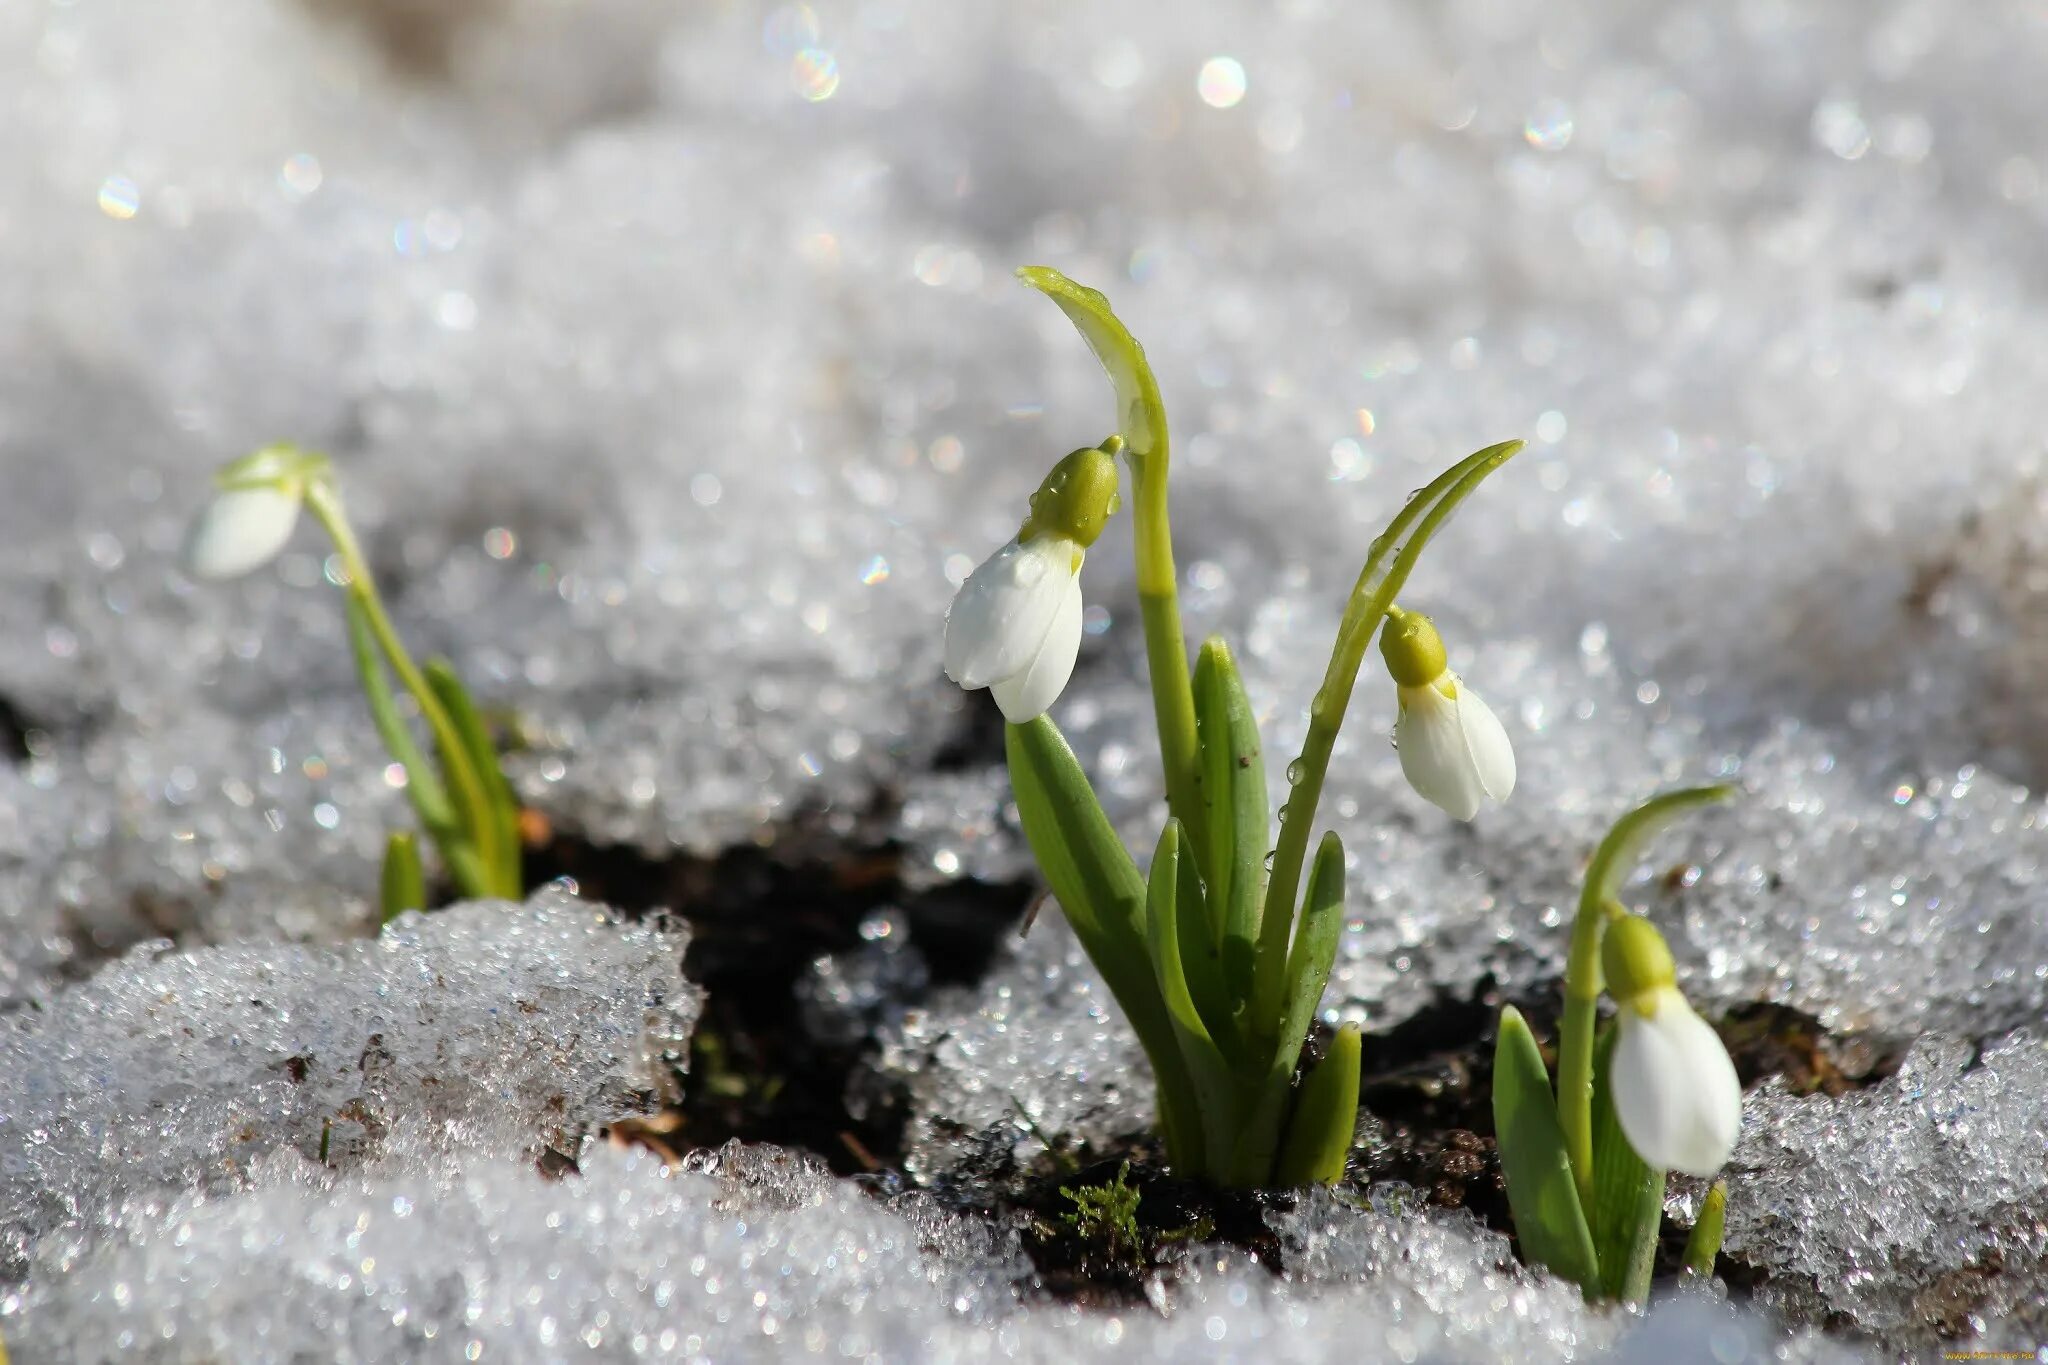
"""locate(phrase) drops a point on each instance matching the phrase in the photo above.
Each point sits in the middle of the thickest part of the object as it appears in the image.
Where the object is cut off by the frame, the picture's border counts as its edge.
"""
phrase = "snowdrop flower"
(255, 506)
(1675, 1091)
(1453, 749)
(1015, 625)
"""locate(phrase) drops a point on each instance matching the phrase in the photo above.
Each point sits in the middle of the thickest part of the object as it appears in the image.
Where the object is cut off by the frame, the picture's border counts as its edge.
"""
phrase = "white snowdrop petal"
(1028, 695)
(1001, 614)
(1434, 755)
(1675, 1090)
(1486, 742)
(240, 530)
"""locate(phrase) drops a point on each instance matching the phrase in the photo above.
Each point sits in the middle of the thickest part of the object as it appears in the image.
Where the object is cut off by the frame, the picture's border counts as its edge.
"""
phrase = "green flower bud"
(1413, 650)
(1076, 499)
(1637, 961)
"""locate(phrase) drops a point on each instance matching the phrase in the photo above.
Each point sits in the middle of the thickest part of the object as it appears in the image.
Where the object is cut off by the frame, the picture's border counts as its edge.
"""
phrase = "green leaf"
(1703, 1246)
(1548, 1219)
(1141, 415)
(1233, 777)
(403, 885)
(1308, 974)
(1628, 1196)
(1319, 1135)
(501, 806)
(1096, 883)
(422, 785)
(1314, 952)
(1215, 1087)
(1202, 963)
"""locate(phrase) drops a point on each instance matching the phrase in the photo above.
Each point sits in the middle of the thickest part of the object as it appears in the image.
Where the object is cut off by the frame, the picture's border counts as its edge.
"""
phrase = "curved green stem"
(1582, 976)
(1387, 566)
(1166, 651)
(1575, 1038)
(470, 794)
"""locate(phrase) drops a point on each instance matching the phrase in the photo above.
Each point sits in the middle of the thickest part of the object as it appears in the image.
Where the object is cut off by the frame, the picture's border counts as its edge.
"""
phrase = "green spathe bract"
(1218, 957)
(1585, 1202)
(462, 799)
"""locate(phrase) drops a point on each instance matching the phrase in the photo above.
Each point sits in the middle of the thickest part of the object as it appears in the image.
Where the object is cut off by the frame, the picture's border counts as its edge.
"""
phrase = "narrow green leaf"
(502, 807)
(422, 785)
(1085, 864)
(1215, 1089)
(1548, 1219)
(403, 885)
(1703, 1246)
(1234, 803)
(1098, 887)
(1314, 952)
(1319, 1134)
(1202, 964)
(1628, 1196)
(1139, 410)
(1308, 974)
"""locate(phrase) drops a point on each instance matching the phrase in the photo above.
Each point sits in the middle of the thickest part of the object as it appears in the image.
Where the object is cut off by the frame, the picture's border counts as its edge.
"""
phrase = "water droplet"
(1296, 771)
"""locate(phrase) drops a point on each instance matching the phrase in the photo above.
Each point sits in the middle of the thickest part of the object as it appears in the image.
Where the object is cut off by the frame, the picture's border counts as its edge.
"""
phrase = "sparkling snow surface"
(671, 362)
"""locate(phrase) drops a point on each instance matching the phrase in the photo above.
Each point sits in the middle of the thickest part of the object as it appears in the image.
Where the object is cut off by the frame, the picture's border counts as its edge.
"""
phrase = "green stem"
(325, 504)
(1703, 1245)
(1575, 1037)
(1404, 539)
(1166, 651)
(1141, 423)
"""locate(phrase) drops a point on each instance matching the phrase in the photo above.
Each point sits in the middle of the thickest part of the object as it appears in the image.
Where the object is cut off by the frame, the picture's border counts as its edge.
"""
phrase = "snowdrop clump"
(1220, 951)
(463, 799)
(1219, 954)
(1652, 1091)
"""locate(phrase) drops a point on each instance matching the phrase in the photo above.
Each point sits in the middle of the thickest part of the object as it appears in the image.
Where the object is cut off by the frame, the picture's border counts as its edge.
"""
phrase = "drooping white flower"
(254, 509)
(1674, 1088)
(1454, 751)
(240, 531)
(1015, 625)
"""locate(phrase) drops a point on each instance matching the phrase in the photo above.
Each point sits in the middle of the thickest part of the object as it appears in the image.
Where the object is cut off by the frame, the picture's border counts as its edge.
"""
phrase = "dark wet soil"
(761, 916)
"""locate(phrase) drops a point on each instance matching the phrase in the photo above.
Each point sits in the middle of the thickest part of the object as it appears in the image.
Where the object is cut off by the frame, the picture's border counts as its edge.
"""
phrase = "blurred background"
(672, 363)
